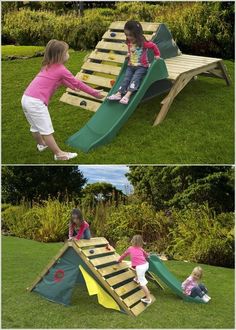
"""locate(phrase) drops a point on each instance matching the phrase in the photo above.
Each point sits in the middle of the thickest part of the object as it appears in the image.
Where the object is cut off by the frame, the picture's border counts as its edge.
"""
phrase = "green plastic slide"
(157, 267)
(111, 116)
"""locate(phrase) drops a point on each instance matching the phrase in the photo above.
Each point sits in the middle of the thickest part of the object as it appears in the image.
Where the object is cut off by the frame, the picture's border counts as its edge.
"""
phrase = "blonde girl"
(37, 95)
(192, 286)
(139, 262)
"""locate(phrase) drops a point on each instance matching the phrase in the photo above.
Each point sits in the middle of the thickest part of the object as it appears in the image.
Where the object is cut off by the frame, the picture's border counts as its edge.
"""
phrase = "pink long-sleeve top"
(188, 284)
(137, 255)
(81, 230)
(50, 78)
(138, 55)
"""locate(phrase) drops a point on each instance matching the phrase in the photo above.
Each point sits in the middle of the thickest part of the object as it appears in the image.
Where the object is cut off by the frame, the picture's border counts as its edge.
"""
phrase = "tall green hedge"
(201, 28)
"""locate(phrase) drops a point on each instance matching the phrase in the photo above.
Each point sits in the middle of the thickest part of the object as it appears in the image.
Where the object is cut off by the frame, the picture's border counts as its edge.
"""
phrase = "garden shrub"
(197, 236)
(128, 220)
(200, 28)
(12, 217)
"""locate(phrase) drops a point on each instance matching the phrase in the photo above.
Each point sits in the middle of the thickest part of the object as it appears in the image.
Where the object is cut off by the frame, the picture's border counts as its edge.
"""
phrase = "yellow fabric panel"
(93, 287)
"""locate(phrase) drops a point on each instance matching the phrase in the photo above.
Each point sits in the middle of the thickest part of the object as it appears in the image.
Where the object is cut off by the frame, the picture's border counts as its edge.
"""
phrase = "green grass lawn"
(23, 260)
(11, 50)
(199, 128)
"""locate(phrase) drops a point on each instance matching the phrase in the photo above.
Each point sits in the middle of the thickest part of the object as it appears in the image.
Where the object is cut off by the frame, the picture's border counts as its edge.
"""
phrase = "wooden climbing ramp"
(98, 260)
(103, 65)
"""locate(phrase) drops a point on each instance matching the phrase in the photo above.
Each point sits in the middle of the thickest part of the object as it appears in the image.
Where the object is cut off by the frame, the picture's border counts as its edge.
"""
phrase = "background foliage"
(201, 28)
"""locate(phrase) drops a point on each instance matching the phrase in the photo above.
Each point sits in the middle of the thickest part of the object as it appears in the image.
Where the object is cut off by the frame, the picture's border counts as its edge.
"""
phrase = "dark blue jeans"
(132, 79)
(199, 291)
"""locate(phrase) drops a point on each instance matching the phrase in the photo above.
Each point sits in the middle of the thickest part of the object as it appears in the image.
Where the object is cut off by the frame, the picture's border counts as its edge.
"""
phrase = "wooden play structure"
(98, 260)
(103, 65)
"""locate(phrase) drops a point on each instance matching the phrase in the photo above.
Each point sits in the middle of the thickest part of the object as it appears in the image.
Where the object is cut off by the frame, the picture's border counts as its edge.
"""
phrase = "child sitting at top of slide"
(37, 95)
(139, 262)
(137, 61)
(193, 288)
(78, 227)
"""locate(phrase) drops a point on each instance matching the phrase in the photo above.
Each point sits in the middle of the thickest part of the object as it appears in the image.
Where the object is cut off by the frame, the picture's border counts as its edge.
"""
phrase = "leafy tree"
(39, 182)
(178, 186)
(101, 192)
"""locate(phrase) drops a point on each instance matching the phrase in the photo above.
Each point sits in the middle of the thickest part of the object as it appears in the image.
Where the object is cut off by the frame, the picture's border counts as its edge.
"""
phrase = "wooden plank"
(85, 95)
(50, 264)
(99, 67)
(104, 260)
(111, 269)
(147, 27)
(107, 57)
(140, 307)
(186, 56)
(98, 251)
(120, 278)
(115, 46)
(133, 298)
(76, 100)
(122, 290)
(95, 80)
(103, 281)
(121, 36)
(91, 242)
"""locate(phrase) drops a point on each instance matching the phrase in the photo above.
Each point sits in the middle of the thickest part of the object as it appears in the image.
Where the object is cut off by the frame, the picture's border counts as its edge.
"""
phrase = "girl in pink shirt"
(192, 287)
(37, 95)
(139, 262)
(78, 227)
(137, 61)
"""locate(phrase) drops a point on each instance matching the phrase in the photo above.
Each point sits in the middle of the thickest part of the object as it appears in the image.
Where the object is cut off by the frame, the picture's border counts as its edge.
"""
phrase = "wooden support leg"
(179, 84)
(224, 72)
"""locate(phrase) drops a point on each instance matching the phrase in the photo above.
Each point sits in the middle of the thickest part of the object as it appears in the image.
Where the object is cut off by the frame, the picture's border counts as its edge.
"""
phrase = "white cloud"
(114, 174)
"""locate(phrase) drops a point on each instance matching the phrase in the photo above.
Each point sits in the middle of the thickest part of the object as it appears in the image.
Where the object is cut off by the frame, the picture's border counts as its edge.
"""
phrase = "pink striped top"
(44, 85)
(138, 55)
(81, 230)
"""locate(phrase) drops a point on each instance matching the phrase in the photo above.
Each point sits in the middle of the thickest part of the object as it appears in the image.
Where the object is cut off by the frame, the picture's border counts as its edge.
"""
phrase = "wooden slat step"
(104, 260)
(96, 55)
(119, 47)
(85, 95)
(140, 307)
(186, 56)
(121, 36)
(104, 68)
(91, 242)
(133, 298)
(95, 80)
(76, 100)
(147, 27)
(98, 251)
(112, 269)
(122, 290)
(120, 278)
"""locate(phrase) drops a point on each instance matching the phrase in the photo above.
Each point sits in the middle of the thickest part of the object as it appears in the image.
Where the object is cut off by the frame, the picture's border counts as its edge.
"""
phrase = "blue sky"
(114, 174)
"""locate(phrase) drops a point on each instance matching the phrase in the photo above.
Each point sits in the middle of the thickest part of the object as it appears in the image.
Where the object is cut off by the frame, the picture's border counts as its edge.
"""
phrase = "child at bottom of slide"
(192, 287)
(37, 95)
(139, 262)
(78, 227)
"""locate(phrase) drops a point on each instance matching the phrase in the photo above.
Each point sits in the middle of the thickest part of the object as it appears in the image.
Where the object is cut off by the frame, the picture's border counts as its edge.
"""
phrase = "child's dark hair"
(76, 213)
(135, 28)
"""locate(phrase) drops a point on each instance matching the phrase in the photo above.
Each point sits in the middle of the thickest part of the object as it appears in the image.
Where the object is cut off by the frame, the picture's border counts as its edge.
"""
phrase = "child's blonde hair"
(55, 52)
(137, 240)
(197, 271)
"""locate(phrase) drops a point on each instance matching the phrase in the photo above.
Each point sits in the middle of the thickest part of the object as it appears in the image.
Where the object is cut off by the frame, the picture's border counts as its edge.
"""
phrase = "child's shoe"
(114, 97)
(146, 301)
(124, 100)
(69, 155)
(208, 297)
(205, 298)
(136, 280)
(41, 147)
